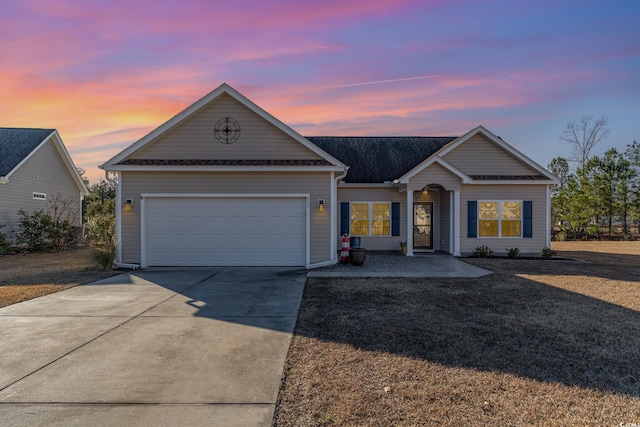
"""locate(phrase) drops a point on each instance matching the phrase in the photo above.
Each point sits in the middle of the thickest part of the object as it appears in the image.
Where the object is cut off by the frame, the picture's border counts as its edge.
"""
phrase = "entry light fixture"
(321, 205)
(128, 206)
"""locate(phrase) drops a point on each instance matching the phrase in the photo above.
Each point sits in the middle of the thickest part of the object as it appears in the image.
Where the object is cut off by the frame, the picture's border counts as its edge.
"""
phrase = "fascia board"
(71, 167)
(3, 180)
(136, 168)
(514, 182)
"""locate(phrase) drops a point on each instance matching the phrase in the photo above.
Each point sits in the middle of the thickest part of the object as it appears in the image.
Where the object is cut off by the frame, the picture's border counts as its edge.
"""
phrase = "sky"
(107, 73)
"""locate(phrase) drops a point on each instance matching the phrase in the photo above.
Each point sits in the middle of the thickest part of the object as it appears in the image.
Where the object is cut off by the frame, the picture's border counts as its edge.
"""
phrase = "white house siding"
(43, 172)
(534, 193)
(316, 184)
(194, 138)
(376, 194)
(479, 156)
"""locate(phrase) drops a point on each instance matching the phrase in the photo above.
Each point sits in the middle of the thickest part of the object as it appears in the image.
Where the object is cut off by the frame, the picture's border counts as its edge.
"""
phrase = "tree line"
(598, 197)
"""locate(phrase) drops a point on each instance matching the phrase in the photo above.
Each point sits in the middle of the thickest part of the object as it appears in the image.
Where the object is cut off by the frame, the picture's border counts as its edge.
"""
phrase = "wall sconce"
(128, 205)
(425, 191)
(321, 205)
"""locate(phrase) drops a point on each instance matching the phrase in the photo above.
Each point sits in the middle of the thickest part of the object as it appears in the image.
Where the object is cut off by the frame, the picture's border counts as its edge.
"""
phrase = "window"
(370, 219)
(500, 218)
(40, 196)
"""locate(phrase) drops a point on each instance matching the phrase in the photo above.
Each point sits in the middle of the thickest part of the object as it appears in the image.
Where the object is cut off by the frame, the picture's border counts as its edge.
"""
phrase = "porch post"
(409, 222)
(452, 220)
(456, 222)
(548, 227)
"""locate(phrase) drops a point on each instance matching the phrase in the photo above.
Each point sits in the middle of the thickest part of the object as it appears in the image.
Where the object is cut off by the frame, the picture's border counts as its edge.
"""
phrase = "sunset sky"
(106, 73)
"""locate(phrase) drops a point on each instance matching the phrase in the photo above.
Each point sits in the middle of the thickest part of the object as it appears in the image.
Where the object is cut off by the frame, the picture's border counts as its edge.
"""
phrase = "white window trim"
(370, 219)
(500, 202)
(39, 196)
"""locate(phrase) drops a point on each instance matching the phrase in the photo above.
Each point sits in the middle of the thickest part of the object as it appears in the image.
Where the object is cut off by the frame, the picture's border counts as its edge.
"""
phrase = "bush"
(482, 252)
(48, 229)
(547, 253)
(4, 242)
(513, 253)
(100, 232)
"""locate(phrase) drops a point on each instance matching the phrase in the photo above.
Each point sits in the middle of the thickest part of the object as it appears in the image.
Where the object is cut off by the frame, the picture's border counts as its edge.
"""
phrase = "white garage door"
(216, 231)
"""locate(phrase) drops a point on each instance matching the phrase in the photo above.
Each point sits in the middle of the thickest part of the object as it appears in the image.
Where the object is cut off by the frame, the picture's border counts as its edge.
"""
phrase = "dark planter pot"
(354, 242)
(357, 256)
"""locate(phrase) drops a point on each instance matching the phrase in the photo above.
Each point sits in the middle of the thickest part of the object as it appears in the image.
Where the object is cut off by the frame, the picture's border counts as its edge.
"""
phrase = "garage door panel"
(225, 231)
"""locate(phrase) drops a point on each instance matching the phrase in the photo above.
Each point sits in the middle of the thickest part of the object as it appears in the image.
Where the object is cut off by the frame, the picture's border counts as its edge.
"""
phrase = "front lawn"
(535, 343)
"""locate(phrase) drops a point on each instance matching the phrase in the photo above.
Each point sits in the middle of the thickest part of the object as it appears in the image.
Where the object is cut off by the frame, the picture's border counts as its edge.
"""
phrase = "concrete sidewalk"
(162, 348)
(396, 264)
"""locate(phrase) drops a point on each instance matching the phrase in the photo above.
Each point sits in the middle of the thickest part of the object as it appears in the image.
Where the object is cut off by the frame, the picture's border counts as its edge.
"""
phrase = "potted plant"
(403, 247)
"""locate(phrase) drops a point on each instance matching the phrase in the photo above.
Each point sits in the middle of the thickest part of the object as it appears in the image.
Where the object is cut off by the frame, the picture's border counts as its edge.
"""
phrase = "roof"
(218, 162)
(378, 159)
(16, 144)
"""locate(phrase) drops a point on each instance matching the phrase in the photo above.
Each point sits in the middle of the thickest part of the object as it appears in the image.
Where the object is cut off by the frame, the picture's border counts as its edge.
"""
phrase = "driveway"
(157, 347)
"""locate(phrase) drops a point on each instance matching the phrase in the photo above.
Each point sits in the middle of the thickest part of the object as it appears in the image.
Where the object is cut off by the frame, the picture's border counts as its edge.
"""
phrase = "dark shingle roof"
(218, 162)
(16, 144)
(379, 159)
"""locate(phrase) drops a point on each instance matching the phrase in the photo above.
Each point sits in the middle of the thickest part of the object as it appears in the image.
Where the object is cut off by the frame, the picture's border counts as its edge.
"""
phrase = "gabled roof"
(378, 159)
(543, 174)
(17, 145)
(115, 163)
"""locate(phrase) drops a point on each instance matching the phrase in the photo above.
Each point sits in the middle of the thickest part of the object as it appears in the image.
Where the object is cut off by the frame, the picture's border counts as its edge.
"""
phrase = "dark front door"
(422, 229)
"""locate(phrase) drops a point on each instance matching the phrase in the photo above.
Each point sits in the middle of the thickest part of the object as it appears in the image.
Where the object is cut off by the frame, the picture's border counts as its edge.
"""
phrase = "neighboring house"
(34, 167)
(225, 183)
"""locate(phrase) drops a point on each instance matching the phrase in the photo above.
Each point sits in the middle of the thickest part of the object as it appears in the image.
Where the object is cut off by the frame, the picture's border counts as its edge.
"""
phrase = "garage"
(223, 230)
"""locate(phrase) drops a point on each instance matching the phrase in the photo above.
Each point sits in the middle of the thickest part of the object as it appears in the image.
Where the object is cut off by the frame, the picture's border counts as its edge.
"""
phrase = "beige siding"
(479, 156)
(194, 138)
(316, 184)
(43, 172)
(376, 194)
(535, 193)
(435, 174)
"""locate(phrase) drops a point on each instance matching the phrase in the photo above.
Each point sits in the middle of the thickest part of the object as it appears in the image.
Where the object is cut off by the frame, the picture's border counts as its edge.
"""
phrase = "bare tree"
(584, 134)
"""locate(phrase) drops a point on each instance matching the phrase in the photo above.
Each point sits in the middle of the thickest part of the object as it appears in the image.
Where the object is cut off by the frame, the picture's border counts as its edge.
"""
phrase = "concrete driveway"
(163, 348)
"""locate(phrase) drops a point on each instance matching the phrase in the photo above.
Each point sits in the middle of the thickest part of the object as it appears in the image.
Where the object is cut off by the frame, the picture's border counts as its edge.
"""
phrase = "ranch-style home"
(226, 183)
(35, 167)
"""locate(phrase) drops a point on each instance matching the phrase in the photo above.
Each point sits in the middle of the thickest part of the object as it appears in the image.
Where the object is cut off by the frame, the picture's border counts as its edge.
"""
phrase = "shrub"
(547, 253)
(482, 252)
(100, 232)
(48, 229)
(4, 242)
(513, 252)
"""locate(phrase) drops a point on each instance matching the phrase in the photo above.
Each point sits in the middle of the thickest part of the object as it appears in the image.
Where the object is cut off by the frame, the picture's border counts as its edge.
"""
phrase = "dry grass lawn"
(30, 275)
(536, 343)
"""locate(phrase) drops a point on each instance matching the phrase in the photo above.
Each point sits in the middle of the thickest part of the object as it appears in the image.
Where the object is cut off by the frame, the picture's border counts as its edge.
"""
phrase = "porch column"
(409, 222)
(456, 222)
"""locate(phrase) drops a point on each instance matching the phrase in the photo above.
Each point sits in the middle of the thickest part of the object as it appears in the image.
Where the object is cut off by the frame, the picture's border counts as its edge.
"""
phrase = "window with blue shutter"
(527, 219)
(344, 218)
(472, 219)
(395, 219)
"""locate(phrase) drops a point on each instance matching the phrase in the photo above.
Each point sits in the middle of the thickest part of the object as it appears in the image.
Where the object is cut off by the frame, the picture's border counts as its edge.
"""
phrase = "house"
(34, 167)
(226, 183)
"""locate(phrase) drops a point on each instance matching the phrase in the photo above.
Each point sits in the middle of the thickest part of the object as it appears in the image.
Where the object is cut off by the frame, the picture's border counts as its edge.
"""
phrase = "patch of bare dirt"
(536, 343)
(30, 275)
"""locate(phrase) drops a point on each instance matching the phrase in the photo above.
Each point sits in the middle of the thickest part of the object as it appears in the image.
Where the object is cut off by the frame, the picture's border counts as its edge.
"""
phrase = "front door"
(422, 221)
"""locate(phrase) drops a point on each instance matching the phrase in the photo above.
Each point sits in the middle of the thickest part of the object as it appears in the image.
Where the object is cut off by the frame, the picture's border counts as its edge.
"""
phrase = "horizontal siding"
(479, 156)
(316, 184)
(194, 138)
(44, 172)
(376, 194)
(435, 174)
(536, 193)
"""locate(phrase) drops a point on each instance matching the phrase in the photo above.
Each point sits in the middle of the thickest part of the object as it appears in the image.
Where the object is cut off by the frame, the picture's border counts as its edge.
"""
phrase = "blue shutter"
(344, 218)
(472, 219)
(527, 219)
(395, 219)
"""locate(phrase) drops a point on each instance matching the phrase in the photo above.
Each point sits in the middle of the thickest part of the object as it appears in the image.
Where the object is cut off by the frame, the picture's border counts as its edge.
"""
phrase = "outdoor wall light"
(128, 205)
(321, 205)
